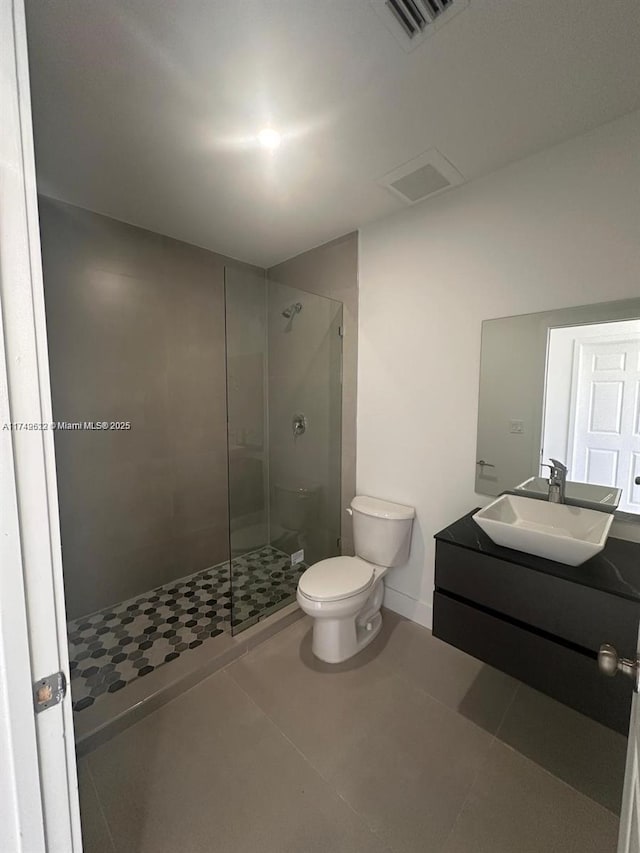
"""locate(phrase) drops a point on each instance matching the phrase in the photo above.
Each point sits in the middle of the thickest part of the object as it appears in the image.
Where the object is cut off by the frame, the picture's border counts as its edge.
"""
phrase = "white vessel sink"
(566, 534)
(587, 495)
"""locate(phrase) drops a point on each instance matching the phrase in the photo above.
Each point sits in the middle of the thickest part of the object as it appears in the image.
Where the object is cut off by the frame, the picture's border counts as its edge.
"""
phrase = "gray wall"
(135, 327)
(332, 270)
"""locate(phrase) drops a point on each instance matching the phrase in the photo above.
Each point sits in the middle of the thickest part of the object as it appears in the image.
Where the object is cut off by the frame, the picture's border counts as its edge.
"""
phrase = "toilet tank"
(381, 530)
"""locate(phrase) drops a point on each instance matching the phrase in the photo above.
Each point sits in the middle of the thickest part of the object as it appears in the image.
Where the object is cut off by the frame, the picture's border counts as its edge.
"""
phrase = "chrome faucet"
(557, 481)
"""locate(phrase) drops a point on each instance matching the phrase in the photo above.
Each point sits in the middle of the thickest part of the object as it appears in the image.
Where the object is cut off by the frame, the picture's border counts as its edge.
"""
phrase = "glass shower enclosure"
(284, 416)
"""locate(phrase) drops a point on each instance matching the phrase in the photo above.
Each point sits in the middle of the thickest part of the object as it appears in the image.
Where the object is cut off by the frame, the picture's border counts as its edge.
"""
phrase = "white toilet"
(344, 594)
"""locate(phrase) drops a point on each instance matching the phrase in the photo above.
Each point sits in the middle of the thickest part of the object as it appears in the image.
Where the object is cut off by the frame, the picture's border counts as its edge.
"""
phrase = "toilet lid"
(336, 578)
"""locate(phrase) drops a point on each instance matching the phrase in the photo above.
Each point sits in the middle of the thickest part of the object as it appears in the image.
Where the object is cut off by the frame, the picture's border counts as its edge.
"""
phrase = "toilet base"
(337, 640)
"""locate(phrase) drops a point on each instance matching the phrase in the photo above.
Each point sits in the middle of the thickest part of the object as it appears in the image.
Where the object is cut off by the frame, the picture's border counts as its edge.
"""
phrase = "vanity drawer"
(578, 614)
(568, 675)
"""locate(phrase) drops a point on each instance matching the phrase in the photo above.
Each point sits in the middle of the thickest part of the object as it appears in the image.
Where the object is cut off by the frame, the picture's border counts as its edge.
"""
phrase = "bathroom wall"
(332, 270)
(560, 228)
(135, 327)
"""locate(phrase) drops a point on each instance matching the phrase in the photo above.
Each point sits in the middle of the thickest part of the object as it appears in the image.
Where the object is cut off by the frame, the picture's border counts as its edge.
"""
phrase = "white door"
(604, 432)
(38, 785)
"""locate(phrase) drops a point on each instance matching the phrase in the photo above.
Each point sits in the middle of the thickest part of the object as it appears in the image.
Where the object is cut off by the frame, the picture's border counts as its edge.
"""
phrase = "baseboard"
(410, 608)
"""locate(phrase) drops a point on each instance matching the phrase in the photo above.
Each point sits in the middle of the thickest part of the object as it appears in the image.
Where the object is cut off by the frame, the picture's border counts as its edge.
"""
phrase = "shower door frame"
(38, 775)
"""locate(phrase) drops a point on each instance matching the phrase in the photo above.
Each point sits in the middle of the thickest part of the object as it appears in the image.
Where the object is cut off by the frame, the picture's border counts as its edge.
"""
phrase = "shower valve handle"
(299, 424)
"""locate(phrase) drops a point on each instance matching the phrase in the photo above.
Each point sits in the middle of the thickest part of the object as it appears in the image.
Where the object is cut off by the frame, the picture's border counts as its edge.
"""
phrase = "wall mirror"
(562, 384)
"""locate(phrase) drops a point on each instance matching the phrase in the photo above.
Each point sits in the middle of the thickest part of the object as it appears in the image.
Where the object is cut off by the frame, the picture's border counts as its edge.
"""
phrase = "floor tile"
(95, 833)
(119, 645)
(410, 778)
(210, 771)
(401, 759)
(390, 752)
(115, 712)
(585, 754)
(517, 807)
(322, 708)
(477, 691)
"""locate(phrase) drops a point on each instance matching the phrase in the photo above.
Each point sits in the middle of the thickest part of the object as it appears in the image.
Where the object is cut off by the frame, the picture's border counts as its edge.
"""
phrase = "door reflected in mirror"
(591, 416)
(562, 384)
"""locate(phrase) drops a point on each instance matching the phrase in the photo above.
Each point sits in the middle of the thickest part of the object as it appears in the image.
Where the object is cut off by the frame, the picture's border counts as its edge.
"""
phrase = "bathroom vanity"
(540, 621)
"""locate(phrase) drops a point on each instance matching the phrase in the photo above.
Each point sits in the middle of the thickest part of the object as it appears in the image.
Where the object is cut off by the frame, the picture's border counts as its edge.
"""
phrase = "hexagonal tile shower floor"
(111, 648)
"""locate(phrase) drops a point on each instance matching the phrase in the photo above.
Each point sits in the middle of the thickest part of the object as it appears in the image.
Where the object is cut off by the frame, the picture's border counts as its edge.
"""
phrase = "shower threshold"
(121, 656)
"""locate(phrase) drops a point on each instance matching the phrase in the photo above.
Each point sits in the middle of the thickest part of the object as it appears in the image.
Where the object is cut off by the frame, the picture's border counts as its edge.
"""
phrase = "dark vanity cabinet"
(540, 621)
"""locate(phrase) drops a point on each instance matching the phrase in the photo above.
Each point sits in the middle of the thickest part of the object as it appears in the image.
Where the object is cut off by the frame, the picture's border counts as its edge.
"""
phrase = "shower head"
(296, 308)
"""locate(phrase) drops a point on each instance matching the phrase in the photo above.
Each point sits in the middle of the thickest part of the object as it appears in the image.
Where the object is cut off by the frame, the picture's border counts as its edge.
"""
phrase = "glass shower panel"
(305, 417)
(246, 343)
(284, 402)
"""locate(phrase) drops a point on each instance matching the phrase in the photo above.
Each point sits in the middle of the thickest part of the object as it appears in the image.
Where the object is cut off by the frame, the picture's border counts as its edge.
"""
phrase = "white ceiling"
(145, 110)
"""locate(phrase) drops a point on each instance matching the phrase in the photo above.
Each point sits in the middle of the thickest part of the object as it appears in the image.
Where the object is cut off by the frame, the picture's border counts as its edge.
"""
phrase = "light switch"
(516, 427)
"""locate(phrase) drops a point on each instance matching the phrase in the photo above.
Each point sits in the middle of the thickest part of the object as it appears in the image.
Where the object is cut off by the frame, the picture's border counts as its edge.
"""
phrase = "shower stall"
(196, 516)
(284, 368)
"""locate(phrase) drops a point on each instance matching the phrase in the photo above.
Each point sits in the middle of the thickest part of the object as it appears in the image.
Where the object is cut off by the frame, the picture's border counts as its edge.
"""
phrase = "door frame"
(629, 829)
(38, 775)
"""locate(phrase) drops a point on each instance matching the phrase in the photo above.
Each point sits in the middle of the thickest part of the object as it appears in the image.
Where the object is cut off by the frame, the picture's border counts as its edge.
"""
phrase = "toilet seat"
(336, 578)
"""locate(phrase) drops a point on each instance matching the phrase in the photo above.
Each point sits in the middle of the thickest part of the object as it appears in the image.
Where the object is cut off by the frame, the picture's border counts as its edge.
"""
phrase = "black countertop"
(615, 570)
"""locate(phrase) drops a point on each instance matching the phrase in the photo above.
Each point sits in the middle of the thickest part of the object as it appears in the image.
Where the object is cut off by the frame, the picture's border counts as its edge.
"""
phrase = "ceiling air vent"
(414, 15)
(426, 175)
(411, 21)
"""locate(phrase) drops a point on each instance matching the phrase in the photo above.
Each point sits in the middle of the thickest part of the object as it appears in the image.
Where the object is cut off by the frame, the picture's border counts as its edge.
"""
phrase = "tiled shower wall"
(135, 326)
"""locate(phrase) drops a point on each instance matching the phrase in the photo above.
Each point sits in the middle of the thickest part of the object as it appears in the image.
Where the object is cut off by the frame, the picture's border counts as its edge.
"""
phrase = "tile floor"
(117, 645)
(412, 747)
